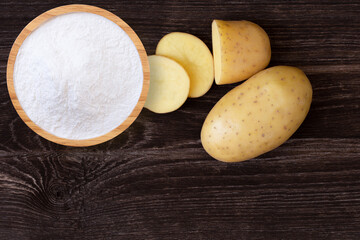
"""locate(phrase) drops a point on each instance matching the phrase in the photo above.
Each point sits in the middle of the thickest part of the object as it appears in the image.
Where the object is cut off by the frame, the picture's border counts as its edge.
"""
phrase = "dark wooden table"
(155, 181)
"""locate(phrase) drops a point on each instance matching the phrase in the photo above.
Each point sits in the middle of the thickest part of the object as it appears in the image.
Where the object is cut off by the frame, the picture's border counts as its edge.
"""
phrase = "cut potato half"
(241, 49)
(194, 56)
(169, 85)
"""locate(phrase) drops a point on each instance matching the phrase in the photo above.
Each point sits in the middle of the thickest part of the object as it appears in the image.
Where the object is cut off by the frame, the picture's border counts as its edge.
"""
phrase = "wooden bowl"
(36, 23)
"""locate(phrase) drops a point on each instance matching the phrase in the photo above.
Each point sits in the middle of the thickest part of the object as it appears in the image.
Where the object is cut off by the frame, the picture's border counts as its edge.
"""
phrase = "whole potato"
(257, 116)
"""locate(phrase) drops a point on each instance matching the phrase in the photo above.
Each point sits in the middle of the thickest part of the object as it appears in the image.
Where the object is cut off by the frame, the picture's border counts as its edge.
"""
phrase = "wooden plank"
(155, 181)
(309, 189)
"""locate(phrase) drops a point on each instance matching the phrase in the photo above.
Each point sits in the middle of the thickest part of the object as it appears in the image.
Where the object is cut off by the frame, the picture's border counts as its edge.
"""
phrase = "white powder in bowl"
(78, 76)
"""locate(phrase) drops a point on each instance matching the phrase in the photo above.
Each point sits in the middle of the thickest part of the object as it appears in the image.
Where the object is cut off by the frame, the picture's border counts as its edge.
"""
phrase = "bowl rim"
(32, 26)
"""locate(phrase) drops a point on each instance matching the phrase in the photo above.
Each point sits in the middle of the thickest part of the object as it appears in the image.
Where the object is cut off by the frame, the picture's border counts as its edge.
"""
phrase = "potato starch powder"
(78, 76)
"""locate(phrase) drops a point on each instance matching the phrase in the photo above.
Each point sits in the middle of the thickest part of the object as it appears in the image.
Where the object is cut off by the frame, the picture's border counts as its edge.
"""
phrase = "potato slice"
(241, 49)
(193, 55)
(169, 85)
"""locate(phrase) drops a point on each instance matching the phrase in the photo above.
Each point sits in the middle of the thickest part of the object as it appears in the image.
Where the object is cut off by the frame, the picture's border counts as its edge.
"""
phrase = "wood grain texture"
(154, 181)
(48, 15)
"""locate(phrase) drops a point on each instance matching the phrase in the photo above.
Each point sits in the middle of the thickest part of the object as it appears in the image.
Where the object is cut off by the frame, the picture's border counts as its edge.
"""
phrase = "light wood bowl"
(36, 23)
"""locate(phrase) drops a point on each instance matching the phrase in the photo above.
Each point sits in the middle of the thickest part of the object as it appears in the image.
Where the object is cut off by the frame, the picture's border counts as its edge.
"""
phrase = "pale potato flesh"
(241, 49)
(193, 55)
(257, 116)
(169, 85)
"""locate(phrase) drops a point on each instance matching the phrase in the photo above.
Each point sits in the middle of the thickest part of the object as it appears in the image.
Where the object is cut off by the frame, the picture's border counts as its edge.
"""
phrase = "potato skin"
(241, 49)
(257, 116)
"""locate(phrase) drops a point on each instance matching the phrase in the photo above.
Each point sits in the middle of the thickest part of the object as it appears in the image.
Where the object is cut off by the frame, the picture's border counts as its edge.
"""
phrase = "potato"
(169, 85)
(241, 49)
(193, 55)
(257, 116)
